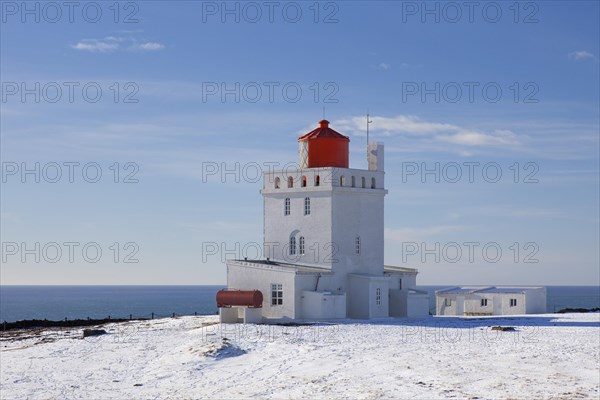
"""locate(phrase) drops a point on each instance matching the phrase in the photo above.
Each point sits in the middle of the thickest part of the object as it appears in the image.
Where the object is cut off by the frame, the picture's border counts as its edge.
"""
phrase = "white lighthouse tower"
(324, 239)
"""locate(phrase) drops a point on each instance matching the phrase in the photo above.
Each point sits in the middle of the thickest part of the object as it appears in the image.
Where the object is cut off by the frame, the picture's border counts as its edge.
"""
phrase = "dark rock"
(93, 332)
(44, 323)
(503, 328)
(578, 310)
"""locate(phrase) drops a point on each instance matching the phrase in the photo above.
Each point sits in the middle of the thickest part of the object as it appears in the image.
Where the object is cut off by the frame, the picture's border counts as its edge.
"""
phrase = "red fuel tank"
(247, 298)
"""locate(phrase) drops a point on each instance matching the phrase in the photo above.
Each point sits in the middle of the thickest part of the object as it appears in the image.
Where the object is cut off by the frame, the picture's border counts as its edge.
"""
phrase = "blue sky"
(365, 56)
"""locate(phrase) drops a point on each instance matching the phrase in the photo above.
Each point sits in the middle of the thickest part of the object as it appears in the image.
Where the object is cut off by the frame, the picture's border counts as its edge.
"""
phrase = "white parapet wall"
(228, 315)
(252, 315)
(368, 296)
(417, 303)
(247, 315)
(536, 301)
(398, 300)
(323, 305)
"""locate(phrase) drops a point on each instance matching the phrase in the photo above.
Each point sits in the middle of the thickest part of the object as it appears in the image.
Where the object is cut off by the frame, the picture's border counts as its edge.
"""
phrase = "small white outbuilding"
(491, 300)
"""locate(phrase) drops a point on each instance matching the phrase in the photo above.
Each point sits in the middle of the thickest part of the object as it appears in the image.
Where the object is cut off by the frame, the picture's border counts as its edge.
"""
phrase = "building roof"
(394, 268)
(486, 289)
(508, 289)
(323, 131)
(310, 268)
(269, 264)
(369, 276)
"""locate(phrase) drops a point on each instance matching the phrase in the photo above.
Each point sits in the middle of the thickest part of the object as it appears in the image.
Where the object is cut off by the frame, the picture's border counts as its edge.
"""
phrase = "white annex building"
(491, 300)
(324, 244)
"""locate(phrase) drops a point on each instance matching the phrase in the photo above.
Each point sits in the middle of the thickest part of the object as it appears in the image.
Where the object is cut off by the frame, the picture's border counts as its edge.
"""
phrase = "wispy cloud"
(581, 55)
(93, 45)
(471, 138)
(435, 131)
(111, 44)
(151, 46)
(383, 66)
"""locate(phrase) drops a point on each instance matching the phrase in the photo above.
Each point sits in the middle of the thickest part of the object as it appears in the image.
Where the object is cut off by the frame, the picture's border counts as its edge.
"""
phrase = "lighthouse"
(324, 240)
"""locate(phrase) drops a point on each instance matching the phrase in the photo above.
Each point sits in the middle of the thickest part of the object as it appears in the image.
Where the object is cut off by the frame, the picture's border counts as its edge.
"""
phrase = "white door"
(460, 305)
(497, 305)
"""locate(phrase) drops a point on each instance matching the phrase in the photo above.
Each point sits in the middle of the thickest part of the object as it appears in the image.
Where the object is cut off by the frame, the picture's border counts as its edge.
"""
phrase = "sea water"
(73, 302)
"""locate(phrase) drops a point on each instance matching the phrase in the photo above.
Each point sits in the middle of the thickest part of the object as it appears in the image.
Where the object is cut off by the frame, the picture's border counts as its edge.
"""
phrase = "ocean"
(96, 302)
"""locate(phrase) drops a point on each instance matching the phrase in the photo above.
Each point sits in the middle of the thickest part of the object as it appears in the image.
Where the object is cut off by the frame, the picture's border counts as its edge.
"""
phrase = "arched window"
(342, 180)
(286, 207)
(304, 181)
(357, 245)
(290, 182)
(277, 182)
(317, 180)
(307, 206)
(301, 246)
(372, 183)
(363, 182)
(353, 182)
(292, 246)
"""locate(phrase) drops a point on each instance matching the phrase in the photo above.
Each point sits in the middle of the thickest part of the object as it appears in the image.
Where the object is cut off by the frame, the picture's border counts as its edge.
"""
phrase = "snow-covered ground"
(548, 356)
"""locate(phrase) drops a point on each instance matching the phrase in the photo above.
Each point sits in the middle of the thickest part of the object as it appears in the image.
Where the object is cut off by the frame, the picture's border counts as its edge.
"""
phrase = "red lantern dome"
(323, 147)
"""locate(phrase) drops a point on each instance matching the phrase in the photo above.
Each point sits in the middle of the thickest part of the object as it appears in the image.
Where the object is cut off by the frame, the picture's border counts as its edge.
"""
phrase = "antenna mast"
(368, 122)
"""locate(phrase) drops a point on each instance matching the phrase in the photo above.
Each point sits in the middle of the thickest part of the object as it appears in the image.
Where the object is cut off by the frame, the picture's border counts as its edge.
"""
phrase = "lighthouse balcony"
(325, 178)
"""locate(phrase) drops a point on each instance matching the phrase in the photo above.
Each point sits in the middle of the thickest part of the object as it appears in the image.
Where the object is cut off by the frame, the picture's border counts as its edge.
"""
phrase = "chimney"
(375, 150)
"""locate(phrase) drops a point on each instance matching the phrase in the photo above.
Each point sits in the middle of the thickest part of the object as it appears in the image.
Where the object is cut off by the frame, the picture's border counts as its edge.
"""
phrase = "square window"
(276, 294)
